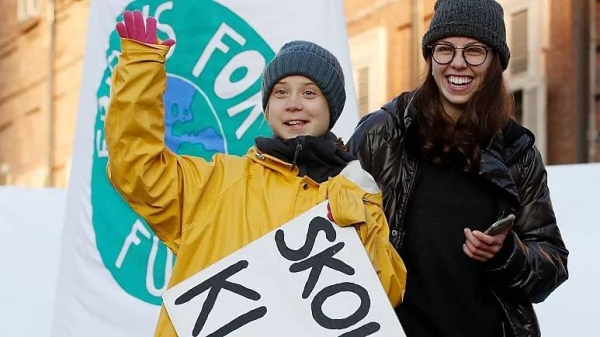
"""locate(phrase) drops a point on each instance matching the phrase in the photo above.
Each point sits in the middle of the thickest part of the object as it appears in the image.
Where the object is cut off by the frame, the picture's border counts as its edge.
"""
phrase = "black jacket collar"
(319, 158)
(505, 147)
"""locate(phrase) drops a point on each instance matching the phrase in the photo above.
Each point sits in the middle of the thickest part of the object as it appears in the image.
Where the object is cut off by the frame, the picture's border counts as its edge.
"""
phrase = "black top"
(534, 262)
(446, 293)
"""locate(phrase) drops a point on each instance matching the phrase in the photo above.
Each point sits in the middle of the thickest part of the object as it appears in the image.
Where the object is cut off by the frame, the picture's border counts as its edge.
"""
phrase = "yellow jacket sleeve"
(351, 205)
(154, 181)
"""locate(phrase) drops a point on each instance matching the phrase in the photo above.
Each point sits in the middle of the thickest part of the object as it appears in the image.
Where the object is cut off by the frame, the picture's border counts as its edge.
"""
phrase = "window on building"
(27, 10)
(368, 52)
(530, 107)
(363, 90)
(518, 96)
(519, 42)
(528, 31)
(7, 136)
(4, 174)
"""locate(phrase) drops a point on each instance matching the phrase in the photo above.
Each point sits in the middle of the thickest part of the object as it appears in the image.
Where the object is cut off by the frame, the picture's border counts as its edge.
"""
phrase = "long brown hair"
(486, 112)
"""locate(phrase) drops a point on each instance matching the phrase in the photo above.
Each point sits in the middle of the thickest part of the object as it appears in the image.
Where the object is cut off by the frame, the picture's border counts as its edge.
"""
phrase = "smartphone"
(500, 225)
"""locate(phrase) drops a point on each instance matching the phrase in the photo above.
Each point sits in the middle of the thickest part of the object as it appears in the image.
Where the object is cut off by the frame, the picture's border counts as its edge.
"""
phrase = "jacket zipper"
(411, 185)
(298, 149)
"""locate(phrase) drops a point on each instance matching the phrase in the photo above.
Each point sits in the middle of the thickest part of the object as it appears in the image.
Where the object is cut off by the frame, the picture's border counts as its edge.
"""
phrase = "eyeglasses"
(444, 53)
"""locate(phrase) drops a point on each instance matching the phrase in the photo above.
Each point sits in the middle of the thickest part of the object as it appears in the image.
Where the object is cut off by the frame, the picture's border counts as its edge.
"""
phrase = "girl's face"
(297, 107)
(460, 76)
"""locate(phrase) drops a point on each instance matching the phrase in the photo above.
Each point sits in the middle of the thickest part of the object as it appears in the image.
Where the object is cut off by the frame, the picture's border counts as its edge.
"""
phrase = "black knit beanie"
(482, 20)
(314, 62)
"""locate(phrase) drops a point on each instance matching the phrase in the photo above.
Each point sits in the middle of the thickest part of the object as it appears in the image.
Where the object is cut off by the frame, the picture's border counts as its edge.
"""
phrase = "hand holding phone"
(500, 225)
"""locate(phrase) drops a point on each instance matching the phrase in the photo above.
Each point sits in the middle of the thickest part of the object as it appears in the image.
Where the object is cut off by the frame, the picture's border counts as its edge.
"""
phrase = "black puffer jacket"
(537, 262)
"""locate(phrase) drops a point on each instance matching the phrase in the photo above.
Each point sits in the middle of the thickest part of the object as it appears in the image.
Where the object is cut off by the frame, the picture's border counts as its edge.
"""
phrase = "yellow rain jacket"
(204, 211)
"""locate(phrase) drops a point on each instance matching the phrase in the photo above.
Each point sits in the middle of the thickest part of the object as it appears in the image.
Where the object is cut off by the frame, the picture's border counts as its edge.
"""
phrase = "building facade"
(554, 74)
(40, 71)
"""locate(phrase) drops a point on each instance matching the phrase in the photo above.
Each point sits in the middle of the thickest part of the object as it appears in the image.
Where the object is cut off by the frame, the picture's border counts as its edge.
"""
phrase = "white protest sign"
(310, 277)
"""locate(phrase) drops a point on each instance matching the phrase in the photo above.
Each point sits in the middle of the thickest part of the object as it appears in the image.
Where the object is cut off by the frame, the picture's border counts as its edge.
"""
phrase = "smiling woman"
(451, 161)
(458, 76)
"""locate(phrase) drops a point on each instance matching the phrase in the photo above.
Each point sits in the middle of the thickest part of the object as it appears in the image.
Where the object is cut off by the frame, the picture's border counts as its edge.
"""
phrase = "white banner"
(113, 269)
(308, 278)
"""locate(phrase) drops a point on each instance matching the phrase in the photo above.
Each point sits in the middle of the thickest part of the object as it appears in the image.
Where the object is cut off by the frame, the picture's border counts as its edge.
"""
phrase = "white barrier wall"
(31, 222)
(31, 225)
(574, 308)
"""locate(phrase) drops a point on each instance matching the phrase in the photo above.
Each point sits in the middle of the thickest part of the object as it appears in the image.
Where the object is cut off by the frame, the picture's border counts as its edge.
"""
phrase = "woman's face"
(297, 107)
(460, 76)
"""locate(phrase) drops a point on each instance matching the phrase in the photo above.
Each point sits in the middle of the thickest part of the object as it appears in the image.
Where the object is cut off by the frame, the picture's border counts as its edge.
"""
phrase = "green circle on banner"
(212, 104)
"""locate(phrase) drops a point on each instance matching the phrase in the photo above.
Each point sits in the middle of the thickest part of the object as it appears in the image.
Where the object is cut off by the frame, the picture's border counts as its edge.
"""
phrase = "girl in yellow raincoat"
(204, 211)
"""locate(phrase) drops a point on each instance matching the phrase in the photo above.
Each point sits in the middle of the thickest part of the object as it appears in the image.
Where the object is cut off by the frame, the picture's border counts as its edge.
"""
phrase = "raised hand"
(133, 27)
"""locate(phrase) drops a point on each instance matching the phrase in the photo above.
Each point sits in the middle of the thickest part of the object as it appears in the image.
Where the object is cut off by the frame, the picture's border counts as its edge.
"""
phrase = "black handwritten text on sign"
(215, 284)
(316, 263)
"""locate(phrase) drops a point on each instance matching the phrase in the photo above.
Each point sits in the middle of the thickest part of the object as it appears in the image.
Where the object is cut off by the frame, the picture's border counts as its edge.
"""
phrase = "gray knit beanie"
(314, 62)
(482, 20)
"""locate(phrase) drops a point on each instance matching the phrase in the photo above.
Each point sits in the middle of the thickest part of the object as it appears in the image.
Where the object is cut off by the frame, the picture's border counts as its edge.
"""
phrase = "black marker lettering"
(343, 323)
(239, 322)
(215, 284)
(316, 225)
(317, 262)
(365, 330)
